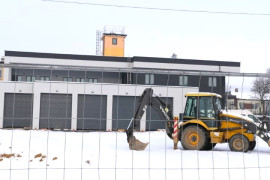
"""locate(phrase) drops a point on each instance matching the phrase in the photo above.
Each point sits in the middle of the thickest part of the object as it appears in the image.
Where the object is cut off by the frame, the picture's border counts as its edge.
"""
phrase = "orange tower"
(113, 44)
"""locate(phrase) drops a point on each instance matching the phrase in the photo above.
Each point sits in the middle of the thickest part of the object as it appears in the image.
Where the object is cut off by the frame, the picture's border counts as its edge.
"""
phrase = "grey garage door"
(55, 111)
(123, 110)
(18, 110)
(153, 120)
(92, 110)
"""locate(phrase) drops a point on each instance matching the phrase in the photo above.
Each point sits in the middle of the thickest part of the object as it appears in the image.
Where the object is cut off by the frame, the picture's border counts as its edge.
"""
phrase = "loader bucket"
(135, 144)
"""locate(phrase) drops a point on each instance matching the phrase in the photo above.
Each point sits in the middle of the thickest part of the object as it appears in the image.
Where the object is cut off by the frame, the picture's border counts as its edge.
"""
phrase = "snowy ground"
(105, 156)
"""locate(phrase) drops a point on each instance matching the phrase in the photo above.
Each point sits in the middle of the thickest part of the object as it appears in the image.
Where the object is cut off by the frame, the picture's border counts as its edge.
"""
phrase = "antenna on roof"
(174, 56)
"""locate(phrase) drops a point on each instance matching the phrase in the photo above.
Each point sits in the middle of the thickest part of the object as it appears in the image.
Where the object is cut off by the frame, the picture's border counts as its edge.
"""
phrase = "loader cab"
(203, 106)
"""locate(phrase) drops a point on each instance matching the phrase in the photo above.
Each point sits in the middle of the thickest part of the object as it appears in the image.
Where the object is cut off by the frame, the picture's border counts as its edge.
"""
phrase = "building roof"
(64, 56)
(185, 61)
(121, 59)
(114, 34)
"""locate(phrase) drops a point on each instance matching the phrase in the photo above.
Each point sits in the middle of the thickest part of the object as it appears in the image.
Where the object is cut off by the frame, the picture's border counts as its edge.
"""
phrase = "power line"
(160, 9)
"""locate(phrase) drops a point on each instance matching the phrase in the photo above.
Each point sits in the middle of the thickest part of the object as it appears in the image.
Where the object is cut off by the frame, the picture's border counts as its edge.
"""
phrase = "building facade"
(253, 105)
(205, 83)
(61, 97)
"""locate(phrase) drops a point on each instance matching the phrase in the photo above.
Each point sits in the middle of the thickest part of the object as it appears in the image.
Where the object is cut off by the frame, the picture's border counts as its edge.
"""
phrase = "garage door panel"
(18, 110)
(55, 123)
(92, 112)
(153, 120)
(123, 111)
(55, 111)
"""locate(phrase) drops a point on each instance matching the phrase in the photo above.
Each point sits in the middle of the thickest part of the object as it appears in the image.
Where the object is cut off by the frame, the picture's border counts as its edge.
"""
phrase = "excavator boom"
(162, 109)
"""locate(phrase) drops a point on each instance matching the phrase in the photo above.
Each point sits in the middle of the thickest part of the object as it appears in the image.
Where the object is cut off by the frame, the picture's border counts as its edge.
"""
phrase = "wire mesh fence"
(61, 122)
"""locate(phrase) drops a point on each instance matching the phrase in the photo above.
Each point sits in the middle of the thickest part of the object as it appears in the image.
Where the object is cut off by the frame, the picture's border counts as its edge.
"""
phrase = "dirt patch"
(38, 155)
(41, 156)
(8, 156)
(19, 156)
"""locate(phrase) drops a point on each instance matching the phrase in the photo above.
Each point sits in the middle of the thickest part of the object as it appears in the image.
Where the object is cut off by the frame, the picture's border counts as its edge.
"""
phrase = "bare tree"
(261, 89)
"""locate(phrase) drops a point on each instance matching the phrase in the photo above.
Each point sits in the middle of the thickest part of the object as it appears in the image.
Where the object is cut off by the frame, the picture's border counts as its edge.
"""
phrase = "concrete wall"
(74, 89)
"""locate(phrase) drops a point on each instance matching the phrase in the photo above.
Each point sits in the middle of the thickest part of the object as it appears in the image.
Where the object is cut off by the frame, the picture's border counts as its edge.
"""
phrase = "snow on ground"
(106, 156)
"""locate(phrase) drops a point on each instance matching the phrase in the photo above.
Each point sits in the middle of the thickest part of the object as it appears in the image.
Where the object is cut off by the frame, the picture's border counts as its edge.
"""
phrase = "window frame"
(80, 79)
(68, 79)
(17, 78)
(32, 78)
(206, 107)
(44, 78)
(93, 80)
(212, 81)
(114, 41)
(183, 80)
(149, 79)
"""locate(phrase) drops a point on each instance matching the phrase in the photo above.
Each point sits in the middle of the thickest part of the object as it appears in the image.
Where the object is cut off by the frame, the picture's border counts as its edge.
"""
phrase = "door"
(123, 111)
(55, 111)
(18, 110)
(92, 112)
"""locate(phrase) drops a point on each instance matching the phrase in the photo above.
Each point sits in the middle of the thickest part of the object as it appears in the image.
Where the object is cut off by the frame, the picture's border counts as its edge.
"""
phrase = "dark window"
(93, 80)
(191, 107)
(149, 79)
(114, 41)
(206, 108)
(30, 78)
(183, 80)
(241, 105)
(44, 78)
(212, 82)
(19, 78)
(67, 79)
(79, 79)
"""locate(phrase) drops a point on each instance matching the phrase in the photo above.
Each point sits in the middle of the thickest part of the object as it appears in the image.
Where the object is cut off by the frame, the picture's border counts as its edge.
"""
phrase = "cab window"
(190, 110)
(206, 108)
(253, 117)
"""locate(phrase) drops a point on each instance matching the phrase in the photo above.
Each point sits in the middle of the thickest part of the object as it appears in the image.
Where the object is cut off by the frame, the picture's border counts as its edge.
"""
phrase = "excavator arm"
(163, 110)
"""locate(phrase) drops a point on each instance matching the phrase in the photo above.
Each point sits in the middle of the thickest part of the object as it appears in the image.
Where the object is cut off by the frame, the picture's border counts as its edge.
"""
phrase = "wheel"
(239, 143)
(194, 138)
(252, 145)
(210, 146)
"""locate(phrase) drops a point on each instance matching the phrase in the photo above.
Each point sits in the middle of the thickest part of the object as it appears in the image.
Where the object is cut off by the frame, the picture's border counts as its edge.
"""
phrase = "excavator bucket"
(135, 144)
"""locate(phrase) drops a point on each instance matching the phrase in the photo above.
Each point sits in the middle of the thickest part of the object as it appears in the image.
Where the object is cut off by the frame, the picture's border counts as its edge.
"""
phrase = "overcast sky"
(53, 27)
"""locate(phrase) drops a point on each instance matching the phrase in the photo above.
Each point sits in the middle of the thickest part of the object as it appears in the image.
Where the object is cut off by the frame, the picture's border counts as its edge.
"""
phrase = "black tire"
(194, 137)
(239, 143)
(252, 145)
(210, 146)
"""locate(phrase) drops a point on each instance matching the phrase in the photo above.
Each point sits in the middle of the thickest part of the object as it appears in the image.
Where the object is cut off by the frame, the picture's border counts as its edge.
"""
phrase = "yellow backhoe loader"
(202, 125)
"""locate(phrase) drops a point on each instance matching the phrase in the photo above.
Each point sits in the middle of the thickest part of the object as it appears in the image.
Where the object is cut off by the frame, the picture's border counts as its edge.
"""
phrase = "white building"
(69, 93)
